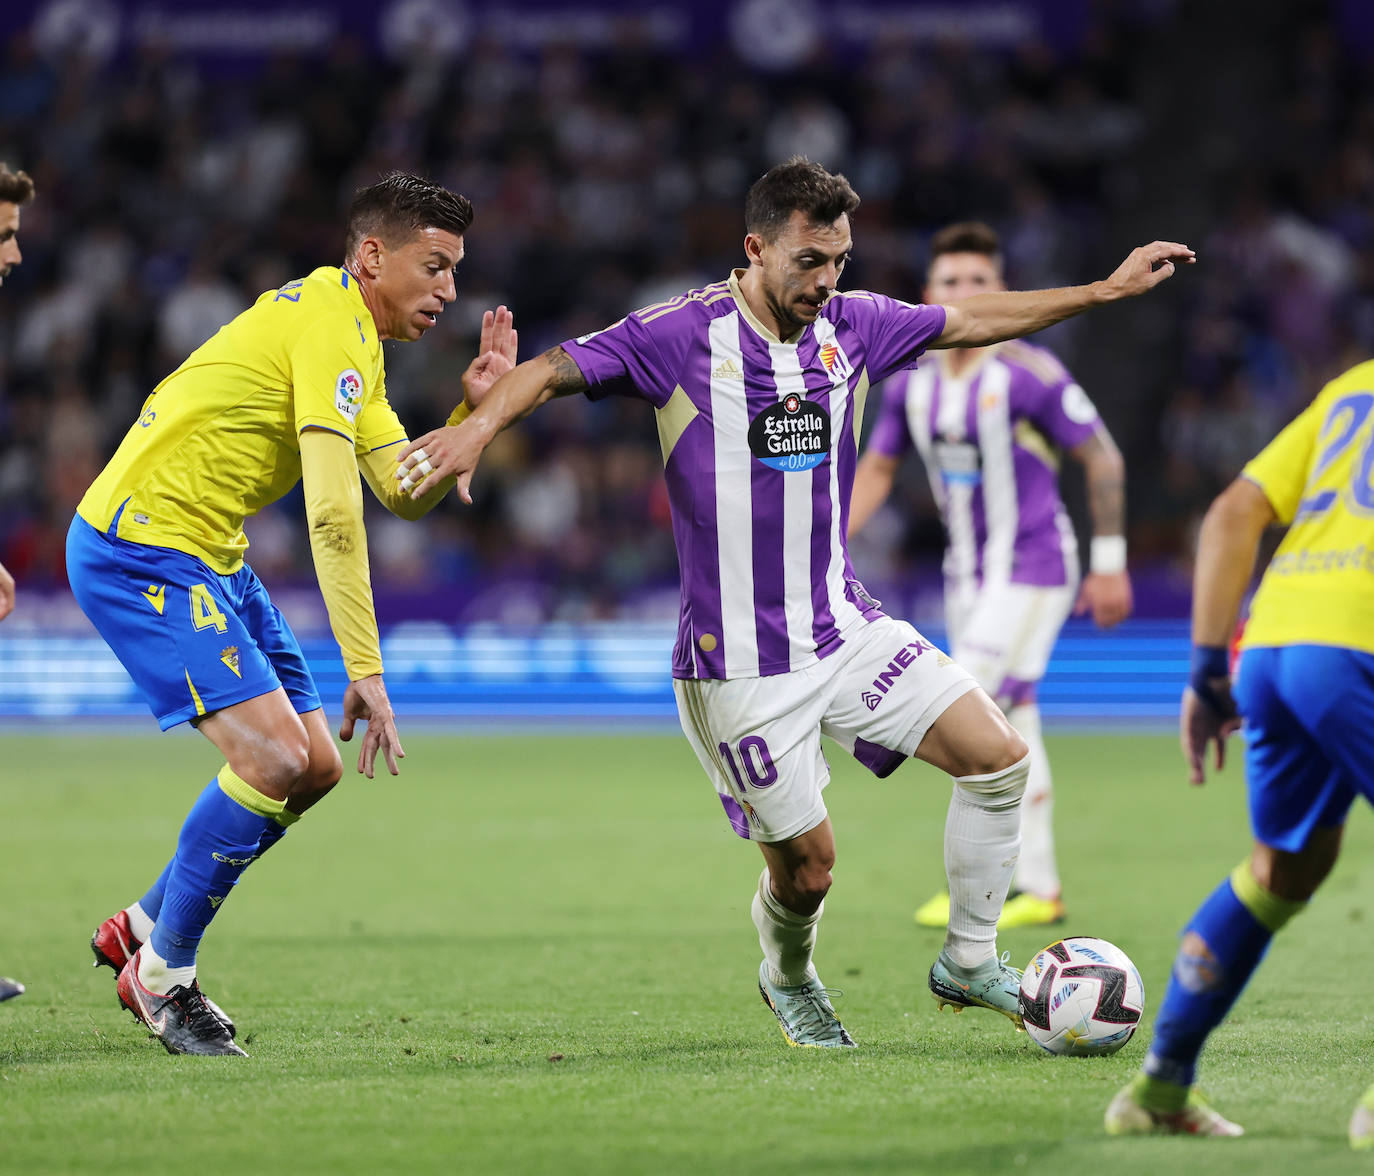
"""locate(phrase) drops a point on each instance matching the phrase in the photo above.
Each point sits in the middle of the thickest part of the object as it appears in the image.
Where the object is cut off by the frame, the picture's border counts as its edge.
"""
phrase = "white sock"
(982, 837)
(787, 939)
(157, 975)
(1036, 871)
(140, 922)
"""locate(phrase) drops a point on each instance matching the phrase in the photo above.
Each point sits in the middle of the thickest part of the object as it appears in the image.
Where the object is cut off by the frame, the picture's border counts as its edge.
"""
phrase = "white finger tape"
(408, 483)
(424, 469)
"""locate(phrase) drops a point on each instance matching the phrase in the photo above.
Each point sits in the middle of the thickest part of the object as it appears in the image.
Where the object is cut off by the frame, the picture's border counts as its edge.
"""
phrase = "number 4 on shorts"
(204, 611)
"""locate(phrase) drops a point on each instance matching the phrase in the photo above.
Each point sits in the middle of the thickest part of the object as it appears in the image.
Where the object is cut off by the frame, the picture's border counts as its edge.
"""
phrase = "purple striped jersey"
(760, 442)
(990, 439)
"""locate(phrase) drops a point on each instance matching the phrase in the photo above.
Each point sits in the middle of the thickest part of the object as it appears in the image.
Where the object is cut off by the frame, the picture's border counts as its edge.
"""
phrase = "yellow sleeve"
(334, 509)
(330, 366)
(378, 423)
(1281, 468)
(379, 468)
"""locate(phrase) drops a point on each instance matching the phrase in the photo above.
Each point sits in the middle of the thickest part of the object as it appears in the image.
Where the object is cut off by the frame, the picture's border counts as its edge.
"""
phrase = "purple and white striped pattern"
(990, 439)
(767, 585)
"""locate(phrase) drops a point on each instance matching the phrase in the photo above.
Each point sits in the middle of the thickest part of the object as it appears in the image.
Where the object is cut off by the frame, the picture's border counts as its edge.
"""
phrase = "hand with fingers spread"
(1144, 269)
(448, 450)
(495, 355)
(366, 699)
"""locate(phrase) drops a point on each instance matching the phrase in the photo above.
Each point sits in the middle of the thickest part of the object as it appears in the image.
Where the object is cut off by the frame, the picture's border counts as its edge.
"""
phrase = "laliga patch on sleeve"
(348, 393)
(1077, 407)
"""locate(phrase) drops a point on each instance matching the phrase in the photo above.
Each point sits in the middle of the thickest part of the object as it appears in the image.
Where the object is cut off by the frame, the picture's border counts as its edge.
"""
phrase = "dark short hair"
(399, 206)
(798, 185)
(15, 187)
(967, 237)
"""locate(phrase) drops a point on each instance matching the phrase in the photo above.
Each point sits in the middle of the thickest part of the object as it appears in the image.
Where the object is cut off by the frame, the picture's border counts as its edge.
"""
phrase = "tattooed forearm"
(1106, 482)
(567, 376)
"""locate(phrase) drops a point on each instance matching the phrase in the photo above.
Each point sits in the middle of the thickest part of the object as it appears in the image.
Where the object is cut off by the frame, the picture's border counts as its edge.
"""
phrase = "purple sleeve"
(896, 332)
(622, 360)
(891, 437)
(1053, 401)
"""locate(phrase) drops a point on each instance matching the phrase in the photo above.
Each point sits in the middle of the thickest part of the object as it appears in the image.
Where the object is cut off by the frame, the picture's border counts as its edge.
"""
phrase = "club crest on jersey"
(348, 393)
(835, 362)
(230, 657)
(792, 435)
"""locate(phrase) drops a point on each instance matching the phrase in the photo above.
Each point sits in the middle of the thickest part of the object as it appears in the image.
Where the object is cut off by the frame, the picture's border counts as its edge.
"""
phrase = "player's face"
(9, 238)
(415, 282)
(954, 276)
(801, 268)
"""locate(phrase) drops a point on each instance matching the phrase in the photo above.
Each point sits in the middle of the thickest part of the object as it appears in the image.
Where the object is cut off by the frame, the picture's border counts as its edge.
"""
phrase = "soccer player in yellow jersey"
(1305, 688)
(16, 190)
(293, 389)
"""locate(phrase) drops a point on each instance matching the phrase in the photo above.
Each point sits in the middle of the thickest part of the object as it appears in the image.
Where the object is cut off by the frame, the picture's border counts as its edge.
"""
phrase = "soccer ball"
(1082, 997)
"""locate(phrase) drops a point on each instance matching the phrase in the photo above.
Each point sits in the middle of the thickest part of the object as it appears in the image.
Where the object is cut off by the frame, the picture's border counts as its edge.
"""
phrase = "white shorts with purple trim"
(1003, 634)
(759, 739)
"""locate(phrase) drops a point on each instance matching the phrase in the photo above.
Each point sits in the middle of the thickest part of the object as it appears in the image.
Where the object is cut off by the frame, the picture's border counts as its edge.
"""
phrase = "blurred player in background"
(1305, 688)
(758, 383)
(990, 424)
(16, 190)
(293, 389)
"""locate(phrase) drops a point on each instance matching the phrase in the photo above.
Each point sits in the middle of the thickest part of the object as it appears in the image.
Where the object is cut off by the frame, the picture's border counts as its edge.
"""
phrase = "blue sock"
(1221, 948)
(152, 901)
(218, 842)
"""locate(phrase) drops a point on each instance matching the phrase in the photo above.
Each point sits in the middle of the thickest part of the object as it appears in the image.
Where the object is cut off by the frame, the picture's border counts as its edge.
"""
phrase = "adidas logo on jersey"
(729, 370)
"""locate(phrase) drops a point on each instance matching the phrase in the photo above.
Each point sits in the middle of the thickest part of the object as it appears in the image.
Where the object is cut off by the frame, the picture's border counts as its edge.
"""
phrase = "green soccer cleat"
(995, 985)
(1020, 910)
(1029, 910)
(1362, 1123)
(804, 1012)
(1172, 1110)
(934, 912)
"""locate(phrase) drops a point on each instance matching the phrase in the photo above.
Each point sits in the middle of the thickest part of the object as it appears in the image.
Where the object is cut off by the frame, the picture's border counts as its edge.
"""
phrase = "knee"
(803, 888)
(1002, 748)
(282, 765)
(324, 770)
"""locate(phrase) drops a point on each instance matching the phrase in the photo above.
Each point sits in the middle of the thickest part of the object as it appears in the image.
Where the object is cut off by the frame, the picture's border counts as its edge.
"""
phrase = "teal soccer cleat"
(804, 1012)
(995, 985)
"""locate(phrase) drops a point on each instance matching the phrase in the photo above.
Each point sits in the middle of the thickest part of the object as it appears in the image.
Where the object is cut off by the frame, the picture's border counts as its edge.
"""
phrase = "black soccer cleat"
(9, 988)
(181, 1019)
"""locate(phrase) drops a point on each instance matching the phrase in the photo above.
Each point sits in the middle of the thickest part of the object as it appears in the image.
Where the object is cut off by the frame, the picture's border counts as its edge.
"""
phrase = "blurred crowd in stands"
(170, 198)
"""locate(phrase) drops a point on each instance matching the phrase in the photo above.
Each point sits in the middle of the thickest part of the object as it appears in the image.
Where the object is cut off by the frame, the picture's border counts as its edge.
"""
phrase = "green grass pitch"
(534, 955)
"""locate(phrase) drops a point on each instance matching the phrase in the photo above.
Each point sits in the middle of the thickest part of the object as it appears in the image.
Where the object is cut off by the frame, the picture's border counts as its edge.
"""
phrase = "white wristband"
(1107, 555)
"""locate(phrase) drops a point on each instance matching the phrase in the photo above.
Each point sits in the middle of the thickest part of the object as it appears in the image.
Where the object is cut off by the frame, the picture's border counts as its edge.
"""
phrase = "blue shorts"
(192, 640)
(1309, 738)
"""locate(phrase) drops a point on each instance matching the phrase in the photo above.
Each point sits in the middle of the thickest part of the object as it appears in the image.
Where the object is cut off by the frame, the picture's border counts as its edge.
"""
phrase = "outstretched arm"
(453, 451)
(1226, 547)
(338, 543)
(1009, 314)
(1106, 591)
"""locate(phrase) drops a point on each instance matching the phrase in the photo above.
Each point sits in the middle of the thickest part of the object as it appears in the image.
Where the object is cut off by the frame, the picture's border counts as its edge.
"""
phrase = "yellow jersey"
(219, 438)
(1318, 475)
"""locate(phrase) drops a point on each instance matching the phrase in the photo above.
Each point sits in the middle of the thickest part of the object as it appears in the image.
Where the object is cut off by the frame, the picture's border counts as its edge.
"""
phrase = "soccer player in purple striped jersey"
(758, 383)
(990, 425)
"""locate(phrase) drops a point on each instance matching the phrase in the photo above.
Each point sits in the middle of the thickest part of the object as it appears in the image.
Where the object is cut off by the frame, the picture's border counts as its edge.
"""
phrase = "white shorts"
(1003, 634)
(759, 739)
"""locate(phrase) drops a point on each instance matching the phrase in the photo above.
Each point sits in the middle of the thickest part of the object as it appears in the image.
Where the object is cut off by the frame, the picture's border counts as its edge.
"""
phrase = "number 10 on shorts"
(753, 753)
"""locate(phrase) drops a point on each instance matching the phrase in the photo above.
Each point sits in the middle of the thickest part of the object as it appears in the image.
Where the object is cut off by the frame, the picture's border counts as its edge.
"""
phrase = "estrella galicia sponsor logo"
(909, 652)
(792, 435)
